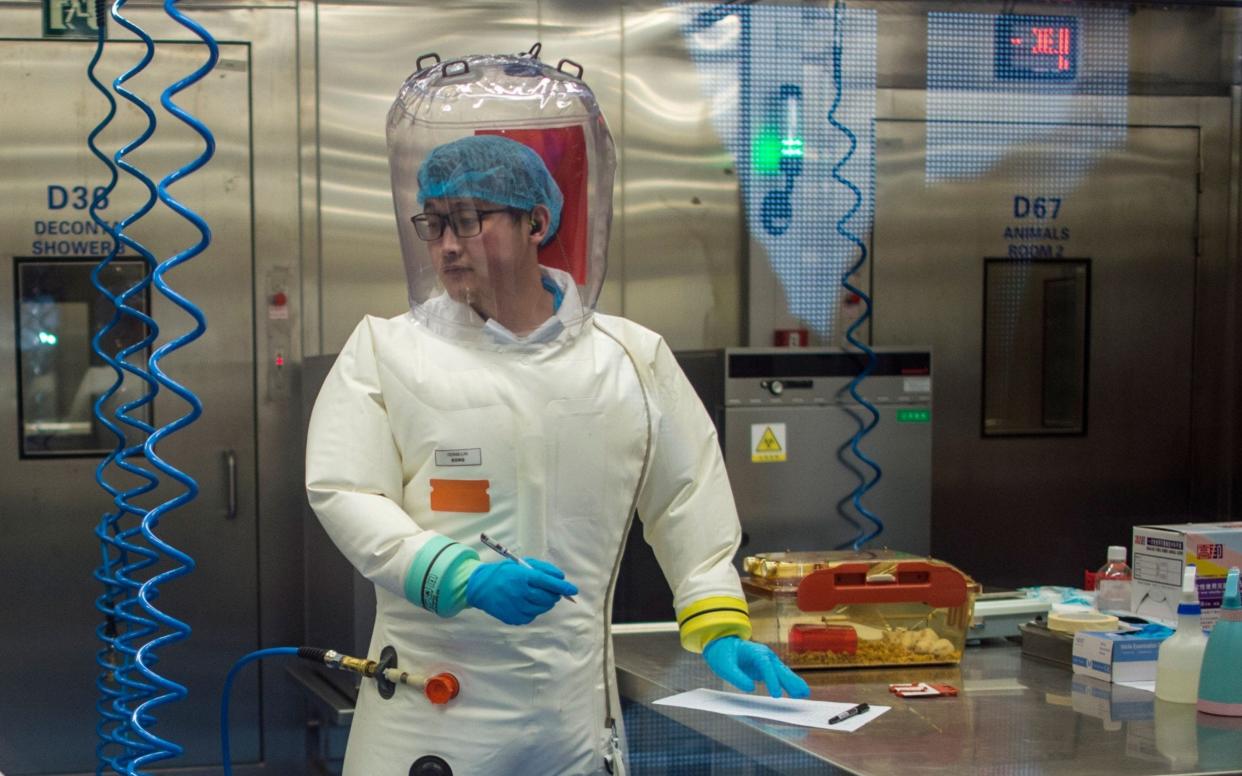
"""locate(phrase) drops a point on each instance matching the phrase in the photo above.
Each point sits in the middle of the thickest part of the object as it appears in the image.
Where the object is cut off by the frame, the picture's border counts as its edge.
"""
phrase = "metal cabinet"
(788, 425)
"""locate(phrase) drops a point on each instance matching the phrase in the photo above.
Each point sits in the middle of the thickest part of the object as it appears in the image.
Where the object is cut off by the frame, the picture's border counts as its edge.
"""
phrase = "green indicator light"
(914, 416)
(766, 150)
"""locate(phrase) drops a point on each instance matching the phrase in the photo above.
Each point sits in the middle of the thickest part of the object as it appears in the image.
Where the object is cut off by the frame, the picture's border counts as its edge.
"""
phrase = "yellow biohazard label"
(767, 442)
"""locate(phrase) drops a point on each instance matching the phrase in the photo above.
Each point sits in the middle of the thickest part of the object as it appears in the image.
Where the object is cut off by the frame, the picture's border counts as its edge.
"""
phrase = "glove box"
(854, 609)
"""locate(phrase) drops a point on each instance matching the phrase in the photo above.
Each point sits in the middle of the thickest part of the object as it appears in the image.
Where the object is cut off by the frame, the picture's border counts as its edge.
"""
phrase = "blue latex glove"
(515, 594)
(742, 663)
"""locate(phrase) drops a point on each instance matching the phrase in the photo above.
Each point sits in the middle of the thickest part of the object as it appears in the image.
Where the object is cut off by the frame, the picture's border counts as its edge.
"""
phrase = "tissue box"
(1160, 553)
(1115, 657)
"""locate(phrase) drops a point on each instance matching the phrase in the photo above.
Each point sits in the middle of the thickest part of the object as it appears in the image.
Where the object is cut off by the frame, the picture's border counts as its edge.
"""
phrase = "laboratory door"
(50, 502)
(1053, 432)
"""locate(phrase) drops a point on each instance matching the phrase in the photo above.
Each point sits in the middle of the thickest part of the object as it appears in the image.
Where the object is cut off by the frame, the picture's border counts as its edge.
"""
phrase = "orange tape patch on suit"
(460, 496)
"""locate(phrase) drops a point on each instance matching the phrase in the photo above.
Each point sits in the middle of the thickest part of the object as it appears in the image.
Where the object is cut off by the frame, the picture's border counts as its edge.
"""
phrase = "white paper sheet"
(796, 712)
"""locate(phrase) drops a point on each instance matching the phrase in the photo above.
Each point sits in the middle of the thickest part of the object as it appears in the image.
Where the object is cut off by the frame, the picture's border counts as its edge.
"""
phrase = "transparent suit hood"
(502, 171)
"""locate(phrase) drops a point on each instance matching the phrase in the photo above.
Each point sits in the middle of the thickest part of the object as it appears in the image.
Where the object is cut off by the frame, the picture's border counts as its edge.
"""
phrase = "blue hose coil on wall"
(176, 629)
(114, 553)
(121, 689)
(865, 427)
(134, 629)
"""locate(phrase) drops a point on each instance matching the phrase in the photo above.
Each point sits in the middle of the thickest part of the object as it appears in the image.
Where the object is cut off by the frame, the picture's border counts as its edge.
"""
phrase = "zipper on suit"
(614, 738)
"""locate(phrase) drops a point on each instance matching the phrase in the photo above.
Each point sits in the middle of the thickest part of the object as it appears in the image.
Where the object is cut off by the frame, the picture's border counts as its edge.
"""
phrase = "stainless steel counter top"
(1013, 715)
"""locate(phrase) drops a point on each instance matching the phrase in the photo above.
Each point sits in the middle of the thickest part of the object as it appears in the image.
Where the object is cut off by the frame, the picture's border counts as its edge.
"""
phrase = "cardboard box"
(1115, 657)
(1159, 554)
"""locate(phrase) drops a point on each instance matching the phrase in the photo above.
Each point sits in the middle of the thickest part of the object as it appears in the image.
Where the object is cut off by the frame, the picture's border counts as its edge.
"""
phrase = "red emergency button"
(279, 299)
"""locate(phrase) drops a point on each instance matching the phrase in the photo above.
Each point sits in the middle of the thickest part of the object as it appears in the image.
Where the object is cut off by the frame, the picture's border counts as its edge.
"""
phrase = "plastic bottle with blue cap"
(1220, 681)
(1181, 655)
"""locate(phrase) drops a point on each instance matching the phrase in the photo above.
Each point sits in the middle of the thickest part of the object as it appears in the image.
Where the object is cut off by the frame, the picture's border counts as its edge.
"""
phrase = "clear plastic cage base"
(841, 609)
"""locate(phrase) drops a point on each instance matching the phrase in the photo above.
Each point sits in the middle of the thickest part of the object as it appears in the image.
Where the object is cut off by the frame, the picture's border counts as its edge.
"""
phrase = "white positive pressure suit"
(571, 438)
(423, 438)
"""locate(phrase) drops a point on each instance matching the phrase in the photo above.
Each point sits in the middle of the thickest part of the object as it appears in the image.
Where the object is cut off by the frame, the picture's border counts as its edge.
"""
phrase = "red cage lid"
(913, 581)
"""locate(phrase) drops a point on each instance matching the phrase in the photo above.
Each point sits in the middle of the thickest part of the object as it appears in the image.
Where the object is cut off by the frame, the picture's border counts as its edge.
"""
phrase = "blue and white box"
(1116, 657)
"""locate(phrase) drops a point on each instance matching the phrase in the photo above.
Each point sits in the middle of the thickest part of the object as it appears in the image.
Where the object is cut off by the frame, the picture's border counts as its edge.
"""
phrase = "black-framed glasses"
(465, 222)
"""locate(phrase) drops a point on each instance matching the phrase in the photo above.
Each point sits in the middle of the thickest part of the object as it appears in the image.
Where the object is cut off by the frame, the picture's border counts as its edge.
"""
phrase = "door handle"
(230, 467)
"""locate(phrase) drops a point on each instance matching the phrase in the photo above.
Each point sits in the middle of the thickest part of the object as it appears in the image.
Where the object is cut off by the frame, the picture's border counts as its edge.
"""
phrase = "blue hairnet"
(491, 168)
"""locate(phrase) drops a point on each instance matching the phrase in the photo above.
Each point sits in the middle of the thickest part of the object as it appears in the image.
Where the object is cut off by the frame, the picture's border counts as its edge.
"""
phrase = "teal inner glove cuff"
(438, 575)
(742, 663)
(452, 598)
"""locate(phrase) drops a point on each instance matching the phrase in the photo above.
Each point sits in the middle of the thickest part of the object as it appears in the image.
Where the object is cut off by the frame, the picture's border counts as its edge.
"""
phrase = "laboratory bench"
(1012, 715)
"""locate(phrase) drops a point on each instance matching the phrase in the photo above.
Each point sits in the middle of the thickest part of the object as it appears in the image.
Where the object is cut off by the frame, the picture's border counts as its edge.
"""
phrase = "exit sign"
(69, 19)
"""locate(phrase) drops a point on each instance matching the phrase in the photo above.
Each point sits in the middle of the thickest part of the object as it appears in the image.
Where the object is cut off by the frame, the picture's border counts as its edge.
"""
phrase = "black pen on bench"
(854, 711)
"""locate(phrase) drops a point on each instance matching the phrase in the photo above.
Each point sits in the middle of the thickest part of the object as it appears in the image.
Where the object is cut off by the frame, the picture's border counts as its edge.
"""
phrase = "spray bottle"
(1220, 682)
(1181, 655)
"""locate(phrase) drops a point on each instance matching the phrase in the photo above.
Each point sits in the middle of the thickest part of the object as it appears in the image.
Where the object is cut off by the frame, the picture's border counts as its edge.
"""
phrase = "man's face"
(478, 269)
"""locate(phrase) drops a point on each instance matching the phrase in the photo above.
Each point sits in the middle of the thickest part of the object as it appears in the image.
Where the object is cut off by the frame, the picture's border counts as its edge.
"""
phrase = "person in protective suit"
(502, 404)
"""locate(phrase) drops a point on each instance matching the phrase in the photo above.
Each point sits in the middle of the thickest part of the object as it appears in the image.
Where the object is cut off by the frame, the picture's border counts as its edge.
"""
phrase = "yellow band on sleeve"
(711, 618)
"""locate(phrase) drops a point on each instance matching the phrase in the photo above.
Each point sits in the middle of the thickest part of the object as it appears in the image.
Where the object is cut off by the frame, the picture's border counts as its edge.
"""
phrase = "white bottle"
(1112, 582)
(1181, 655)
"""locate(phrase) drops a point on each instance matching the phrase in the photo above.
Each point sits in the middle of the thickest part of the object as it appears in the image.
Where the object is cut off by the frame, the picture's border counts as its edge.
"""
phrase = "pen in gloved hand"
(503, 551)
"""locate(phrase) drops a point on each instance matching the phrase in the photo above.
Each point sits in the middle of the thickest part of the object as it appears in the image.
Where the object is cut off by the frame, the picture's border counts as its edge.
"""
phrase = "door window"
(60, 377)
(1035, 346)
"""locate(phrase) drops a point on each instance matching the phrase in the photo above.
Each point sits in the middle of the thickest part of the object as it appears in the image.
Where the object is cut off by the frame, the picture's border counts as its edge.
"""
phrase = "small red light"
(280, 360)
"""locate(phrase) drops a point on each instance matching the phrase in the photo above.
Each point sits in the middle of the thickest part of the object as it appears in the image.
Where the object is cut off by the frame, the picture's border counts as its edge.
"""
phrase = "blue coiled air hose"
(865, 426)
(134, 629)
(174, 630)
(112, 554)
(123, 627)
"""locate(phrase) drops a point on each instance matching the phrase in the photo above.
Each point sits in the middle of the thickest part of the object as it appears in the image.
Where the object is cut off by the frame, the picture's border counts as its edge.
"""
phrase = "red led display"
(1055, 43)
(1037, 48)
